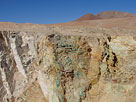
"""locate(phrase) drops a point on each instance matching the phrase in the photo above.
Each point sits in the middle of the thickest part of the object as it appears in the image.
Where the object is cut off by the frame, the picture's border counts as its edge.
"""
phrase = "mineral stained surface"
(57, 66)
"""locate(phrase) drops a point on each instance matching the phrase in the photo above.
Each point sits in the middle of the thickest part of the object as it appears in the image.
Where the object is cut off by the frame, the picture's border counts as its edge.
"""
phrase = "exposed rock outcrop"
(61, 67)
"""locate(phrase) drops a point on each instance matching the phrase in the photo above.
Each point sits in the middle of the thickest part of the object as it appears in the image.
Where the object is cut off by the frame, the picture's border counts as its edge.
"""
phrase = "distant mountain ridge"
(106, 15)
(115, 14)
(88, 16)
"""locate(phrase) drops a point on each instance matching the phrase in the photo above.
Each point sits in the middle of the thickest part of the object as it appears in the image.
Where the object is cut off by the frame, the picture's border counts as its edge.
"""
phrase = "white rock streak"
(47, 87)
(17, 58)
(5, 83)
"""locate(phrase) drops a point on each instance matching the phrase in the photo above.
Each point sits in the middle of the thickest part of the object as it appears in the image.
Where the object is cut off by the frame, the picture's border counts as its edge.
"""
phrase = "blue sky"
(58, 11)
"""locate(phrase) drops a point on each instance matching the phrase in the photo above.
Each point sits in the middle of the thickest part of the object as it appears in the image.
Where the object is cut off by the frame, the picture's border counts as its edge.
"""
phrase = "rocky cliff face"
(61, 67)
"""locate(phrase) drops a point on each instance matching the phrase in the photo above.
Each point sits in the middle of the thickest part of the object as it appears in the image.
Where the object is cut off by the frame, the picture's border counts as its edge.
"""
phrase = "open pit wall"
(58, 67)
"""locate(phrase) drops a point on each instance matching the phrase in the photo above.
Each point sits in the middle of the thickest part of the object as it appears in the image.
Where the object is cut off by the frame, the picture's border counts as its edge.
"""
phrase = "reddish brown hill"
(115, 14)
(88, 17)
